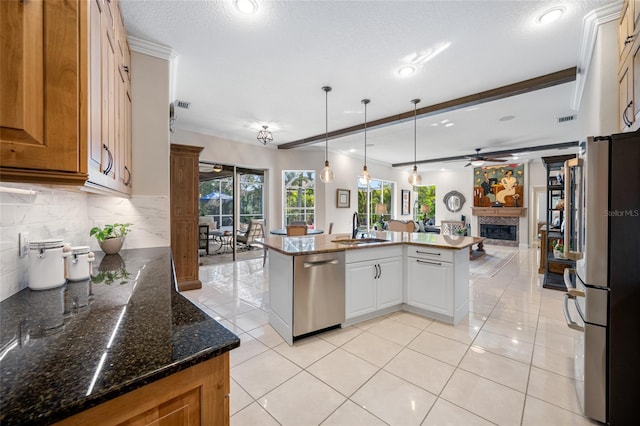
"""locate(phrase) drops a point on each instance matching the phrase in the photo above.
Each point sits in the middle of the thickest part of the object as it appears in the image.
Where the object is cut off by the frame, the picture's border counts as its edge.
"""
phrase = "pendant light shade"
(414, 177)
(364, 177)
(326, 175)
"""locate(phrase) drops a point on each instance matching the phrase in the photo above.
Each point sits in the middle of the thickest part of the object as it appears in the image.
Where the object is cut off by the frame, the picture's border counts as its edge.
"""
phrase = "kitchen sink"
(359, 240)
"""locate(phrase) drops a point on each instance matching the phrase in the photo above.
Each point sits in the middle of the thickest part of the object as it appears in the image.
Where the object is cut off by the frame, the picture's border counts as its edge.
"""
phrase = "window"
(300, 196)
(251, 197)
(425, 196)
(216, 195)
(216, 199)
(375, 204)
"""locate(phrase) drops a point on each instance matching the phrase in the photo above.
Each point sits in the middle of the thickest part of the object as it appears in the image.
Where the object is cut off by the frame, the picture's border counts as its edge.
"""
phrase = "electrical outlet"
(23, 244)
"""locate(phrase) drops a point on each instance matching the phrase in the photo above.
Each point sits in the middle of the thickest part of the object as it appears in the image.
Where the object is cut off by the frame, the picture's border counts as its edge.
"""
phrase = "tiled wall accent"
(47, 212)
(149, 216)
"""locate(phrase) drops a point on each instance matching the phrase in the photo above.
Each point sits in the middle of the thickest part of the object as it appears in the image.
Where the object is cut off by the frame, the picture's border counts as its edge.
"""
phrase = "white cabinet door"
(360, 286)
(430, 285)
(389, 282)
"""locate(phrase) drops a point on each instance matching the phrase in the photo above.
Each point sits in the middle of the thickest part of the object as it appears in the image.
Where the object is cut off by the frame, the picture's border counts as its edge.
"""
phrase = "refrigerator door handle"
(565, 307)
(568, 283)
(571, 201)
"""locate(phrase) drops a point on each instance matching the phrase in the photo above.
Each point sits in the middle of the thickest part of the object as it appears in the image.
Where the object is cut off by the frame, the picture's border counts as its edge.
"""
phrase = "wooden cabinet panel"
(625, 96)
(40, 102)
(184, 198)
(198, 395)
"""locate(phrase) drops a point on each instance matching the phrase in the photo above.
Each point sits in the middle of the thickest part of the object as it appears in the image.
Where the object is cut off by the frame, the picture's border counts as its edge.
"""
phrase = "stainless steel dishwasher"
(318, 292)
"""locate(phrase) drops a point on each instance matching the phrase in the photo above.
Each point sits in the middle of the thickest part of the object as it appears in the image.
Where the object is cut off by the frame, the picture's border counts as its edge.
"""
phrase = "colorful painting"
(498, 186)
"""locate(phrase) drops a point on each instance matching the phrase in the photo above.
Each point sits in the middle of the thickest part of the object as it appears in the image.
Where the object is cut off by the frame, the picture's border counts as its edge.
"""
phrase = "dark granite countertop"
(68, 349)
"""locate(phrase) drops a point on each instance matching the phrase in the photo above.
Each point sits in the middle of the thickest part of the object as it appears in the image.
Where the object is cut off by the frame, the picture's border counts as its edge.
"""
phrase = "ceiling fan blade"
(500, 160)
(467, 165)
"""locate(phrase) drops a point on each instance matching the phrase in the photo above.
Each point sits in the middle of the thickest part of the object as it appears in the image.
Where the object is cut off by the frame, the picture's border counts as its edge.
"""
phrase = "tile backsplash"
(46, 212)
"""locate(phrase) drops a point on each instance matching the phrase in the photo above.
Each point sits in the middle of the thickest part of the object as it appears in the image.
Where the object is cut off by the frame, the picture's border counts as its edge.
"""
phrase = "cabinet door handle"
(375, 275)
(426, 252)
(107, 170)
(628, 40)
(128, 176)
(430, 263)
(624, 115)
(125, 68)
(379, 271)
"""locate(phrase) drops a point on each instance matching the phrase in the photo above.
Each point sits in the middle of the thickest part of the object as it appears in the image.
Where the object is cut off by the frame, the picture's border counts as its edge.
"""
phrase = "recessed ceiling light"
(406, 70)
(444, 121)
(246, 7)
(472, 108)
(507, 118)
(448, 125)
(515, 157)
(352, 150)
(550, 15)
(434, 124)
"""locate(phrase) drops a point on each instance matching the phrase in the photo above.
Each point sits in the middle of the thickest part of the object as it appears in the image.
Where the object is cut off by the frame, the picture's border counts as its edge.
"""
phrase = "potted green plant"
(558, 250)
(111, 237)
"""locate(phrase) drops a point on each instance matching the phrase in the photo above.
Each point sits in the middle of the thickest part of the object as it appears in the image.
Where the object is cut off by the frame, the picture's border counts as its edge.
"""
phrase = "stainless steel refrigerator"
(602, 233)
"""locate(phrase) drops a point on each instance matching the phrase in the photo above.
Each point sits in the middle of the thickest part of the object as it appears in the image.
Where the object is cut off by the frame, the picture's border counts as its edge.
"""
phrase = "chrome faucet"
(355, 225)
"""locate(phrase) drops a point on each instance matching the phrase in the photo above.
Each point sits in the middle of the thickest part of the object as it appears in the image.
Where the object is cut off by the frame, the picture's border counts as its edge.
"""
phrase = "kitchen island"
(384, 272)
(124, 346)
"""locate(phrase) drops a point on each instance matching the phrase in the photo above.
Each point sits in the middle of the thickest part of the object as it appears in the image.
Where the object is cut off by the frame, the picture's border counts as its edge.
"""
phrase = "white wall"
(599, 106)
(150, 124)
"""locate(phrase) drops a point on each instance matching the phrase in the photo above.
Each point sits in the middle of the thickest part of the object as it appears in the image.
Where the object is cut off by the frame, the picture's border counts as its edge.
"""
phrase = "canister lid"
(80, 250)
(46, 244)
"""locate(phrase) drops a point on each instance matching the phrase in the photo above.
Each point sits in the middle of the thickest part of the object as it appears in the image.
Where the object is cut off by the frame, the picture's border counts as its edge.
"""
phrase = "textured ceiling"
(241, 72)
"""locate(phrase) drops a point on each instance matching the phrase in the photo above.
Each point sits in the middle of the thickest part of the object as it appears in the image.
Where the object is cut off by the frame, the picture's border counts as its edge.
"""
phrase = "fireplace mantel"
(499, 211)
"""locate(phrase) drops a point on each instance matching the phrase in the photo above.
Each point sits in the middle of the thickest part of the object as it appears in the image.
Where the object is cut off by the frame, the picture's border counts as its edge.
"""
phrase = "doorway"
(229, 198)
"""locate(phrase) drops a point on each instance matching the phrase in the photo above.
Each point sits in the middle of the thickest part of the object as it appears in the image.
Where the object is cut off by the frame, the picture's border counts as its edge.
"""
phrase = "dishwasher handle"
(321, 263)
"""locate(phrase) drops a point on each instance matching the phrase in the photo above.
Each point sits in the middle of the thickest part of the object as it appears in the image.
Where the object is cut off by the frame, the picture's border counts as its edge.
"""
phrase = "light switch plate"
(23, 244)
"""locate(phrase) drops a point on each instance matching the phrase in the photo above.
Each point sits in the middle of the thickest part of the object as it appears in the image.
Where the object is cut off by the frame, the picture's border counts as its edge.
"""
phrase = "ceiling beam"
(562, 145)
(519, 88)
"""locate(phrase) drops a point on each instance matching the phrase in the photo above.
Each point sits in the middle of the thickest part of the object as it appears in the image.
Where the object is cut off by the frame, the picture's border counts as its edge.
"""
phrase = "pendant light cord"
(365, 131)
(326, 123)
(415, 132)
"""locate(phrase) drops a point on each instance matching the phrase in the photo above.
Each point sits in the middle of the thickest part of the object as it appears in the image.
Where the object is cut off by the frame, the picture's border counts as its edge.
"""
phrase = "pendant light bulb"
(414, 177)
(364, 177)
(326, 175)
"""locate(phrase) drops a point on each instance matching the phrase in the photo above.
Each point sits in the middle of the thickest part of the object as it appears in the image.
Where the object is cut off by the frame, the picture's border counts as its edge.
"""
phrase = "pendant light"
(414, 177)
(364, 177)
(326, 175)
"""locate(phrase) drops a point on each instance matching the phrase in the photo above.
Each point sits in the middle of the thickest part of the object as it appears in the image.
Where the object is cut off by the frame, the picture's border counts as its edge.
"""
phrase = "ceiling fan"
(478, 160)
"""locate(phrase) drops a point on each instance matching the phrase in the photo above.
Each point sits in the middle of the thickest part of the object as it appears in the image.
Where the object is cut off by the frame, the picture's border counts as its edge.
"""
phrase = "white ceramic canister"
(79, 263)
(46, 264)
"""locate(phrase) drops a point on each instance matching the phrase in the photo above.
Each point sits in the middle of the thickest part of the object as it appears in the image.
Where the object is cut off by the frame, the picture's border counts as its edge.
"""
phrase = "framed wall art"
(406, 202)
(343, 198)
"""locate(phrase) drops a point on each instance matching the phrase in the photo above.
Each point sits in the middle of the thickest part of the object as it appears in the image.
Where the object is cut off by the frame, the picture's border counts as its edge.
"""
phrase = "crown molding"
(590, 25)
(152, 49)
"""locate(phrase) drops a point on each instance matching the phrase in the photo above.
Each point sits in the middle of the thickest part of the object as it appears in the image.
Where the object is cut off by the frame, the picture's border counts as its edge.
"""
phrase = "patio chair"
(253, 231)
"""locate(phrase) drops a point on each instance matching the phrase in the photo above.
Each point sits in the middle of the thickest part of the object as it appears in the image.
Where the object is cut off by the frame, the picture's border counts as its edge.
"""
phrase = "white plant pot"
(558, 254)
(111, 245)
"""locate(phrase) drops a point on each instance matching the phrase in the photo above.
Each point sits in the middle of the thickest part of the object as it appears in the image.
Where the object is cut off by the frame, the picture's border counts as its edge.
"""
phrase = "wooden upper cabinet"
(40, 110)
(65, 109)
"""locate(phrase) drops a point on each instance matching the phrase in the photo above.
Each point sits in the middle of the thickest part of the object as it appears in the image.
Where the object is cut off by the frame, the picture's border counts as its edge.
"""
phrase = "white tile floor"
(510, 362)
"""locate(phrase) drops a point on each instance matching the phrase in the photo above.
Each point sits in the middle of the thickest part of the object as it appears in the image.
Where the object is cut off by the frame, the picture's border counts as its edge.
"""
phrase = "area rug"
(491, 263)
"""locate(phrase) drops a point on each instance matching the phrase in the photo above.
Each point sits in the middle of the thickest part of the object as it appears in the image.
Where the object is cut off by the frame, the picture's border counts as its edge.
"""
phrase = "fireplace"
(499, 232)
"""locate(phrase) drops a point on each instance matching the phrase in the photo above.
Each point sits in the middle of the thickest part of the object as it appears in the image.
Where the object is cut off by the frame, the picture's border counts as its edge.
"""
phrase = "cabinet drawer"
(431, 253)
(364, 254)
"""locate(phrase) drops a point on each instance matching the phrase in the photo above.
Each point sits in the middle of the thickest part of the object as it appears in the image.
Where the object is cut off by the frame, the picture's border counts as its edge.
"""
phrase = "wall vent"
(183, 104)
(566, 118)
